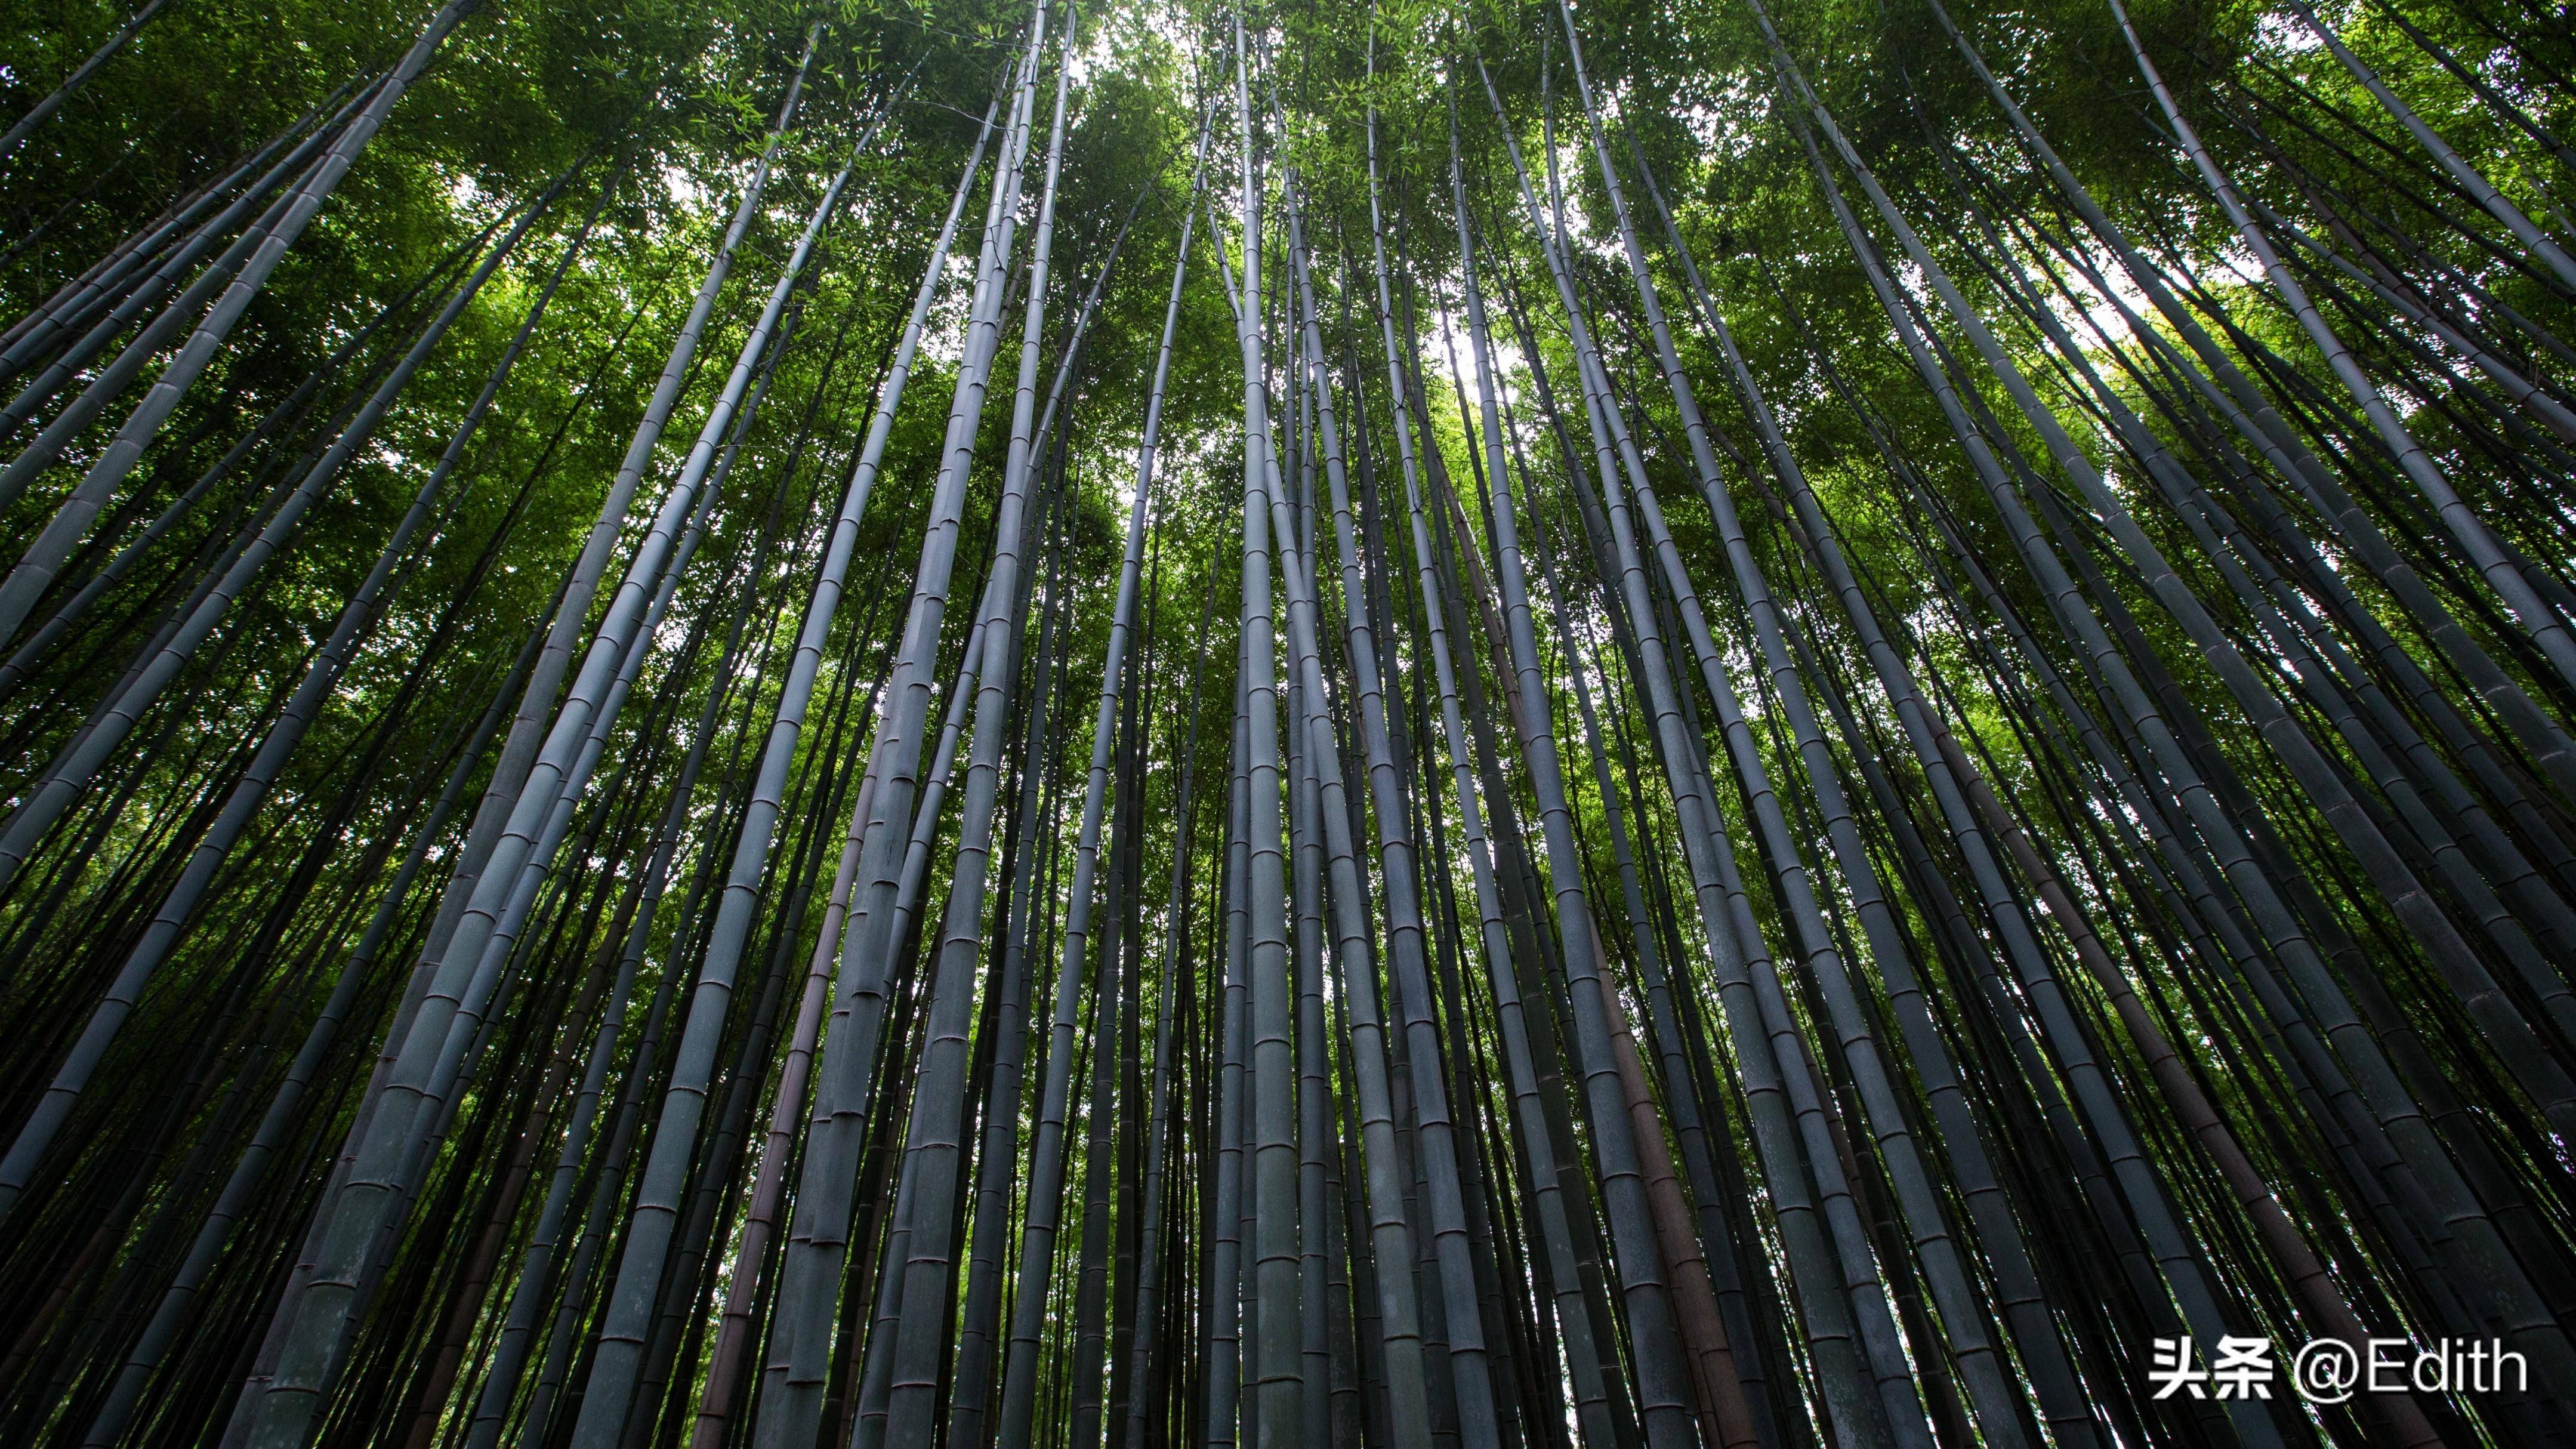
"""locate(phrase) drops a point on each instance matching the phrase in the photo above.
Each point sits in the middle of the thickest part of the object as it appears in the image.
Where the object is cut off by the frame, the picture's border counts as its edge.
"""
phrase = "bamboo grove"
(1768, 724)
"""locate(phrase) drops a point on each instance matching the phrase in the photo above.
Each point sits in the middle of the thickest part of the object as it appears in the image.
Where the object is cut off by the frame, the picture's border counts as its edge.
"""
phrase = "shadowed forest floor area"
(931, 724)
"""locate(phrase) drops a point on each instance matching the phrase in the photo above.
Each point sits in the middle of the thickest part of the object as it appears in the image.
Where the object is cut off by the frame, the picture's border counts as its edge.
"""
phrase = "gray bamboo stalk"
(1221, 1225)
(1274, 1306)
(970, 1396)
(43, 110)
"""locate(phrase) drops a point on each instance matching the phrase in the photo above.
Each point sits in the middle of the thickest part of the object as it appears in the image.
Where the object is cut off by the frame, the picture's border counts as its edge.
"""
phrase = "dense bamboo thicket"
(1762, 724)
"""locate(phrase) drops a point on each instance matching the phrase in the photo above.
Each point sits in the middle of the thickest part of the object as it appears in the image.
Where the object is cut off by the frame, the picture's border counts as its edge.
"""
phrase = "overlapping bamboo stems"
(2332, 684)
(687, 1277)
(2547, 632)
(321, 677)
(1755, 1006)
(2497, 205)
(1405, 932)
(1005, 1023)
(2511, 1035)
(115, 463)
(133, 1166)
(2185, 874)
(171, 1312)
(1542, 1136)
(1662, 1381)
(2477, 1157)
(1220, 1371)
(1680, 1076)
(528, 729)
(594, 1240)
(656, 1210)
(2472, 1143)
(1046, 1151)
(1526, 1017)
(878, 1346)
(2244, 872)
(1108, 1050)
(733, 1339)
(2520, 392)
(2537, 897)
(476, 951)
(264, 1363)
(725, 1359)
(971, 1374)
(934, 1145)
(112, 301)
(2190, 871)
(1390, 1238)
(1306, 845)
(62, 781)
(539, 1265)
(2259, 421)
(1669, 1220)
(2183, 1272)
(628, 938)
(1955, 783)
(1272, 1338)
(461, 1061)
(46, 449)
(1306, 939)
(2024, 1304)
(1714, 1345)
(2326, 496)
(72, 855)
(1150, 1328)
(1944, 1268)
(802, 1339)
(2199, 900)
(2299, 107)
(108, 282)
